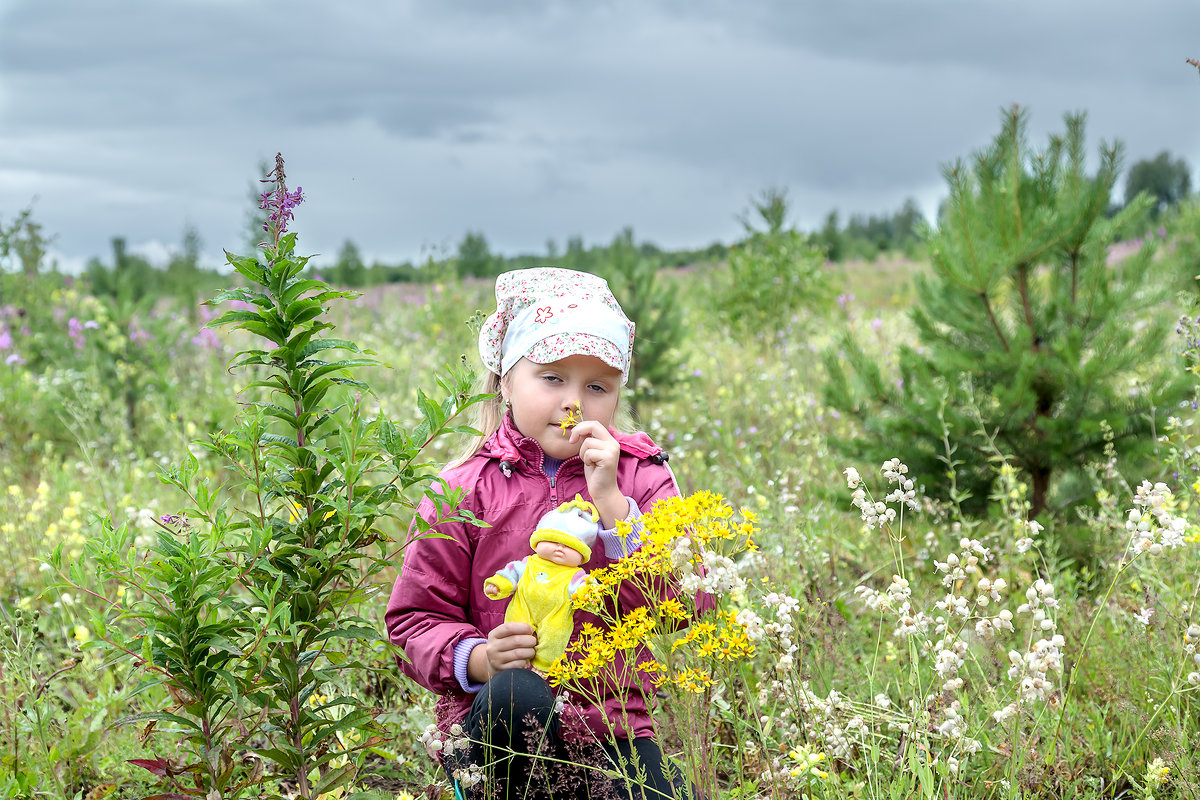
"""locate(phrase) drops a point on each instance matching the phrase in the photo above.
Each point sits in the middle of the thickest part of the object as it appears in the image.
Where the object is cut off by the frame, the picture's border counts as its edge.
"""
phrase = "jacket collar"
(509, 445)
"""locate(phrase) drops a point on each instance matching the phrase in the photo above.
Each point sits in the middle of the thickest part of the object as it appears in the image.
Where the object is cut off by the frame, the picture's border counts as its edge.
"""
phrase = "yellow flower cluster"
(33, 518)
(807, 763)
(676, 534)
(594, 648)
(729, 642)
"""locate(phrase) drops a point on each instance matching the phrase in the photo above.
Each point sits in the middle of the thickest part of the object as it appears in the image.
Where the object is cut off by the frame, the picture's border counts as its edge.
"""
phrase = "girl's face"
(542, 395)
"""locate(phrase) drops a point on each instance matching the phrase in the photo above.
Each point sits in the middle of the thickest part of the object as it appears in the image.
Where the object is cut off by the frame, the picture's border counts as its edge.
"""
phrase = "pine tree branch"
(995, 323)
(1023, 286)
(1015, 169)
(1074, 280)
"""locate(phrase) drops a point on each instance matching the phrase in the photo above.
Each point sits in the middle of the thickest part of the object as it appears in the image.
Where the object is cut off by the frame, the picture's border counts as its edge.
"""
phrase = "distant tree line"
(1166, 179)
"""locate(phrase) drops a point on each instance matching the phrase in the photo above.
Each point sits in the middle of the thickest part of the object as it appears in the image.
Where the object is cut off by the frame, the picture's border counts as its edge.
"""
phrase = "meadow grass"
(899, 647)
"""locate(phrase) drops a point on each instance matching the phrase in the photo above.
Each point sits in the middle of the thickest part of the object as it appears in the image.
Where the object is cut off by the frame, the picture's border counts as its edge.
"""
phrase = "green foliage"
(774, 274)
(1168, 181)
(844, 700)
(474, 256)
(652, 302)
(1023, 323)
(868, 237)
(246, 605)
(349, 269)
(23, 243)
(1183, 251)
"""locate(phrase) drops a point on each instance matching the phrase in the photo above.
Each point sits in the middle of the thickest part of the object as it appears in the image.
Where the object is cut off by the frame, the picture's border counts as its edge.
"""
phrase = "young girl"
(558, 350)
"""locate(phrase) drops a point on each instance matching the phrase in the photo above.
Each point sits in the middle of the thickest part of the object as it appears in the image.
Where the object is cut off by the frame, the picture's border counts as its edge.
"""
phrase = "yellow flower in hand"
(572, 418)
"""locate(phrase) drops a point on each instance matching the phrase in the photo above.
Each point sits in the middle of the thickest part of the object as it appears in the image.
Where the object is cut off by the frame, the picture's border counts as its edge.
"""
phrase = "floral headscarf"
(546, 314)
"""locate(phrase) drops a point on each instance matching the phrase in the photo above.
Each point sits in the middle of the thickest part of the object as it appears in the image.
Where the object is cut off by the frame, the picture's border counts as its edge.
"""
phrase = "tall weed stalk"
(246, 607)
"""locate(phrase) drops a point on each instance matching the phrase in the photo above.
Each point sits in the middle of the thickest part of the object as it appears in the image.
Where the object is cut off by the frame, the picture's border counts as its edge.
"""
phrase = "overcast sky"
(409, 123)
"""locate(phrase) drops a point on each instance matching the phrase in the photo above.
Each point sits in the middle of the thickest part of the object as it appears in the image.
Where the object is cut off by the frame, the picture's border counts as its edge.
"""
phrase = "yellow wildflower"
(572, 418)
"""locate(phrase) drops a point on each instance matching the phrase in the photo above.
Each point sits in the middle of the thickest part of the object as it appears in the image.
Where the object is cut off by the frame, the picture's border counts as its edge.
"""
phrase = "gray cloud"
(408, 123)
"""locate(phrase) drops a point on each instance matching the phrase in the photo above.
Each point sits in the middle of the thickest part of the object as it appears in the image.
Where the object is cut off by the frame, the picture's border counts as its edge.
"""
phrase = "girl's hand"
(510, 645)
(601, 453)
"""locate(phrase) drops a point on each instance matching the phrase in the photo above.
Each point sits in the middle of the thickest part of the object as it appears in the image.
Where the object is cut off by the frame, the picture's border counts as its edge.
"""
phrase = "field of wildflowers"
(866, 640)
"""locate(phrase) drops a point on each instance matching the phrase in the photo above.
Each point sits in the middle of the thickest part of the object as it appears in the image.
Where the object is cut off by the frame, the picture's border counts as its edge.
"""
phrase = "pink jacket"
(438, 598)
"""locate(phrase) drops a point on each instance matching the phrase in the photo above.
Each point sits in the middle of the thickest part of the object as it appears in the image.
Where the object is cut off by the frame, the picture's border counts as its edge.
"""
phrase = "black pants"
(515, 738)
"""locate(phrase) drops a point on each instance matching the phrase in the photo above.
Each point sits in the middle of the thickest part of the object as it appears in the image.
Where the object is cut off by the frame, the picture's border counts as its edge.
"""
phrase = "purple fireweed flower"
(6, 339)
(207, 338)
(279, 202)
(14, 359)
(75, 331)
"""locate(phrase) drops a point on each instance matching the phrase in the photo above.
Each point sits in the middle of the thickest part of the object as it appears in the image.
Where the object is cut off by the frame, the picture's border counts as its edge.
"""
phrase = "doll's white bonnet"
(575, 524)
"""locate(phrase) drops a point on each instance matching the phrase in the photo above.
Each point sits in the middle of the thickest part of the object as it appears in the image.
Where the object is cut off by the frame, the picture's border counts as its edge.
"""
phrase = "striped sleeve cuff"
(616, 546)
(462, 654)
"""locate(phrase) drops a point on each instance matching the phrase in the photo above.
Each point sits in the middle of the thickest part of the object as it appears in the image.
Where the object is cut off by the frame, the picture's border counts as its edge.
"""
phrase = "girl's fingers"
(589, 429)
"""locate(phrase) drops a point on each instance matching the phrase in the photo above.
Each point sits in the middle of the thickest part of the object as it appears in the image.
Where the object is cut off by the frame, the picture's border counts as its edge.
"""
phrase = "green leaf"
(270, 331)
(245, 295)
(344, 364)
(334, 779)
(160, 716)
(297, 288)
(320, 345)
(360, 633)
(302, 311)
(235, 317)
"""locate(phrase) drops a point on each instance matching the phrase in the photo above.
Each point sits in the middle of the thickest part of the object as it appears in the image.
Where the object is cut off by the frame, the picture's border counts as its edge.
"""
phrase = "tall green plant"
(246, 607)
(774, 274)
(1023, 310)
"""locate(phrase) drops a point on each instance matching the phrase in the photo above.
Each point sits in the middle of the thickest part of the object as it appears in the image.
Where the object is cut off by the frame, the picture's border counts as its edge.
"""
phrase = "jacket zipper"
(552, 480)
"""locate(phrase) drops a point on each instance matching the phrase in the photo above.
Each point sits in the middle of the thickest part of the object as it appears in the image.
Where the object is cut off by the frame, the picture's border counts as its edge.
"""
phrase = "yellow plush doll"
(543, 583)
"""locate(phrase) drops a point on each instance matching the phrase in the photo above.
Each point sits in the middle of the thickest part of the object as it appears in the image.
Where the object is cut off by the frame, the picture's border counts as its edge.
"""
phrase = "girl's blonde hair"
(487, 415)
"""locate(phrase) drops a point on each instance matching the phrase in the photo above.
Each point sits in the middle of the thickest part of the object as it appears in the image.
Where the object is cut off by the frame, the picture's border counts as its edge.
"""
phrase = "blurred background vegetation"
(765, 367)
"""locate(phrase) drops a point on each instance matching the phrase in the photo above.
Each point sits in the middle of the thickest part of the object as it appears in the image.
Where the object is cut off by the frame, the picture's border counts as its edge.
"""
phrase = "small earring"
(508, 405)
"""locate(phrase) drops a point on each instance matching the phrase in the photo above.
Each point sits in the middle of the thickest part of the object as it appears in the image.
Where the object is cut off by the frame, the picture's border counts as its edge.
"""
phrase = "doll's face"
(557, 553)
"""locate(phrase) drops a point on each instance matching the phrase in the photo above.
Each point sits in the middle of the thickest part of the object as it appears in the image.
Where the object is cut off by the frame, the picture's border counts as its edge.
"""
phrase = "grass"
(855, 710)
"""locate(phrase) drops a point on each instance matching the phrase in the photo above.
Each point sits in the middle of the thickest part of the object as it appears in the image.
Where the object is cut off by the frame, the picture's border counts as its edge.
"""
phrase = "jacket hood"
(509, 445)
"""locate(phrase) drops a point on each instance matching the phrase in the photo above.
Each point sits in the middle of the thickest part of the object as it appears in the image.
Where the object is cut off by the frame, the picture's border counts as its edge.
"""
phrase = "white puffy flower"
(1005, 713)
(852, 477)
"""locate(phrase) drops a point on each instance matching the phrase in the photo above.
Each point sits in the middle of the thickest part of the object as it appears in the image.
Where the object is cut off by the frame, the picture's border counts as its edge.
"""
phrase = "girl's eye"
(552, 378)
(595, 387)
